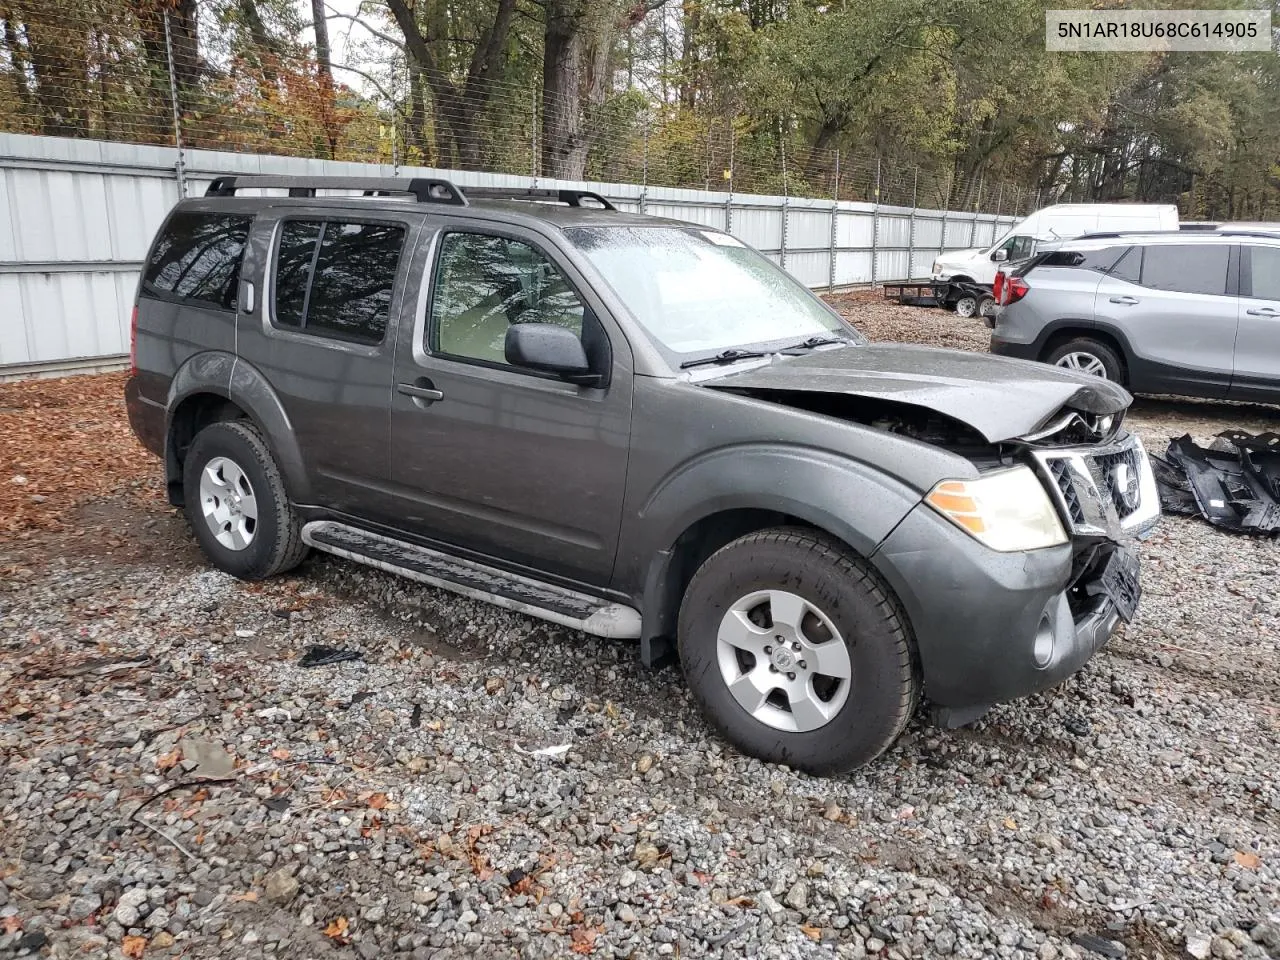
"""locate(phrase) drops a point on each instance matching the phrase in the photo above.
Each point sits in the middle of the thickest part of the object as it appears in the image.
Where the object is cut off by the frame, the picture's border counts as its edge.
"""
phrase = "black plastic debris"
(1234, 484)
(324, 656)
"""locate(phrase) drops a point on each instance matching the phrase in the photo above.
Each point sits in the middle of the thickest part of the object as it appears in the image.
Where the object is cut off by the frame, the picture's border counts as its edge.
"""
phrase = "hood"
(959, 256)
(999, 397)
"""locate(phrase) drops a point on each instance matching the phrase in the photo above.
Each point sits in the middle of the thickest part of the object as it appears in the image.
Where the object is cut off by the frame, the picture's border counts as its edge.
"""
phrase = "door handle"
(1264, 312)
(423, 391)
(1126, 301)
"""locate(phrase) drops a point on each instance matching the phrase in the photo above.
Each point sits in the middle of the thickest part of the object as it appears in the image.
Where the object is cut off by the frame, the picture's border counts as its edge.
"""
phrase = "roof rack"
(422, 189)
(573, 198)
(1198, 234)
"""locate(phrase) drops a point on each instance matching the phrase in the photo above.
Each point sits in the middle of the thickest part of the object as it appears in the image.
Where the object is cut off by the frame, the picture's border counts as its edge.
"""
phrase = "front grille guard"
(1105, 491)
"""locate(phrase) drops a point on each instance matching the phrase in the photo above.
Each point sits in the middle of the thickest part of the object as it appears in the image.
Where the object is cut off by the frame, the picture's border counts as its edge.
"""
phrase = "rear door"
(1171, 303)
(321, 335)
(1257, 352)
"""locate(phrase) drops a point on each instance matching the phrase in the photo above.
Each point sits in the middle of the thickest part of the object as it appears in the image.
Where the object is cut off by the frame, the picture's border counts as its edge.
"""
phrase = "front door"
(1257, 355)
(496, 459)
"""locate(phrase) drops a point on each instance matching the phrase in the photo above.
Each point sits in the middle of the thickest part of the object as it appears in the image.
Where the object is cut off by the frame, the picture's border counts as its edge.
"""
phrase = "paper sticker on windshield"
(722, 239)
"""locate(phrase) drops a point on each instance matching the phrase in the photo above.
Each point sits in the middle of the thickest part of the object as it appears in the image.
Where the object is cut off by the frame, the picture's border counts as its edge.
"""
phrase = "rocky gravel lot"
(482, 784)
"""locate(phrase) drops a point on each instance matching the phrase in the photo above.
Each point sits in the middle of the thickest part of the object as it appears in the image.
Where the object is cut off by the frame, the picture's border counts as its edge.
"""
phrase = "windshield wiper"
(724, 356)
(814, 342)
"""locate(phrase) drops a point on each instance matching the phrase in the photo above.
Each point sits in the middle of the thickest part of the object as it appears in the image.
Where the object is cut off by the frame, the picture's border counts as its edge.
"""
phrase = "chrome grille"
(1102, 491)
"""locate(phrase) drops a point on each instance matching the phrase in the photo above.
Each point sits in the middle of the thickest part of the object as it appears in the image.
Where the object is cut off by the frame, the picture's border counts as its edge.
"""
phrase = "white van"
(1062, 221)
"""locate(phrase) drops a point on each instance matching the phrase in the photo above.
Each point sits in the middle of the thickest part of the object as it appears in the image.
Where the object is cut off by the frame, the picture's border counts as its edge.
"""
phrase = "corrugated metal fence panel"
(77, 216)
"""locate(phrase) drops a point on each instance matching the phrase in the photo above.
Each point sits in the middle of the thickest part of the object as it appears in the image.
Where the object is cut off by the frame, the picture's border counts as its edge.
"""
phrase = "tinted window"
(337, 278)
(1129, 267)
(1264, 269)
(293, 269)
(1186, 267)
(1100, 260)
(354, 276)
(198, 258)
(484, 284)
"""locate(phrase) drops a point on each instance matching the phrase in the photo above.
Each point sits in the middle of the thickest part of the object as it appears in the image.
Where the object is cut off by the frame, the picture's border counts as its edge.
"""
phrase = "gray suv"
(641, 429)
(1193, 314)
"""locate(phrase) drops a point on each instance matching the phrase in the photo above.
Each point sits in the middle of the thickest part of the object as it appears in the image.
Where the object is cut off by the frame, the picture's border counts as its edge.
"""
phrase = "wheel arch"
(211, 389)
(1105, 334)
(709, 525)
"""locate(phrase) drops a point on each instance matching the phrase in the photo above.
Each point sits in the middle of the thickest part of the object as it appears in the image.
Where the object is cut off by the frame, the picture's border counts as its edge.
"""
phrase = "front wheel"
(796, 652)
(236, 502)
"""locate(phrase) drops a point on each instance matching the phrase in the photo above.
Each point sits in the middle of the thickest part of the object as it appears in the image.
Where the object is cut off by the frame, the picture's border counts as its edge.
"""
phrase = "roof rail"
(423, 189)
(573, 198)
(1220, 232)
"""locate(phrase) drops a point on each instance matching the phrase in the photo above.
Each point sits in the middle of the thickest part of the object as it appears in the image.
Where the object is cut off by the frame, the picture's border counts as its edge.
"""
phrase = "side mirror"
(1000, 256)
(549, 348)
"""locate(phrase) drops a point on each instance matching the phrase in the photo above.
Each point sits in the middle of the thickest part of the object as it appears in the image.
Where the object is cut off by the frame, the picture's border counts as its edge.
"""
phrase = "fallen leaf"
(739, 902)
(134, 947)
(813, 933)
(1248, 860)
(584, 939)
(11, 924)
(280, 753)
(249, 897)
(337, 928)
(1010, 823)
(168, 760)
(378, 801)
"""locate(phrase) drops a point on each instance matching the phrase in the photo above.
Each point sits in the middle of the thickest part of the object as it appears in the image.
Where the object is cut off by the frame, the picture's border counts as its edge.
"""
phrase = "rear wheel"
(236, 502)
(987, 307)
(797, 652)
(1085, 355)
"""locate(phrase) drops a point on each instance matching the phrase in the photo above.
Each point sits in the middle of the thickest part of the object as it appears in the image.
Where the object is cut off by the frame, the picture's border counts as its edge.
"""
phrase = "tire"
(837, 593)
(986, 307)
(1086, 355)
(228, 473)
(966, 306)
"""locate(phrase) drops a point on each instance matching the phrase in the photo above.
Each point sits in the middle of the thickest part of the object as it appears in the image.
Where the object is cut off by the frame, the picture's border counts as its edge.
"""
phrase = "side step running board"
(547, 601)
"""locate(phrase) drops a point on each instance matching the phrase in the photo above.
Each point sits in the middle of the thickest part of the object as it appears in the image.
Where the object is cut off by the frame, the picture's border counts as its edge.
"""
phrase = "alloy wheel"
(783, 660)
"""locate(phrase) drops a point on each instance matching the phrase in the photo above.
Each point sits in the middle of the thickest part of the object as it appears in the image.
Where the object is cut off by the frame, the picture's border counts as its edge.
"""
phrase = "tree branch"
(333, 15)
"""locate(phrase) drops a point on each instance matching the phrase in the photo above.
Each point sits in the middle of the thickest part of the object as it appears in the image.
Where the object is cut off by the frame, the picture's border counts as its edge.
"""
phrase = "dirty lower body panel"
(1234, 484)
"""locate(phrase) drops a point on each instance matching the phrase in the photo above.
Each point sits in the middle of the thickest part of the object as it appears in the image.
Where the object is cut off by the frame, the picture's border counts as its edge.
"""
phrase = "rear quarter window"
(1100, 260)
(197, 258)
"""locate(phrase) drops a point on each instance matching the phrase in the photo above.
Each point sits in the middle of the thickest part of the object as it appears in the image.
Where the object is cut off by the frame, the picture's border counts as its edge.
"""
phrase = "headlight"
(1007, 510)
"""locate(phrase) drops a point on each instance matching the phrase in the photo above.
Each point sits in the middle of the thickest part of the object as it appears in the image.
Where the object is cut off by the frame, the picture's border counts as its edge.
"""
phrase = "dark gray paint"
(998, 398)
(592, 487)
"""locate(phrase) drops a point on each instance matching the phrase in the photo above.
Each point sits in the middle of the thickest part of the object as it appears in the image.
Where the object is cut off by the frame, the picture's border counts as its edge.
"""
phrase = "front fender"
(846, 498)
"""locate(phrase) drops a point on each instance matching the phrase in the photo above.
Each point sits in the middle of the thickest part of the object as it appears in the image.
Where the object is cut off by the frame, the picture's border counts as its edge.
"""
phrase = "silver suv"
(1191, 314)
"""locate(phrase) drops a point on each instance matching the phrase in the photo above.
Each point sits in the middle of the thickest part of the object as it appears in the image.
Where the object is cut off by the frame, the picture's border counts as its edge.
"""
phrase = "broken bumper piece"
(1234, 484)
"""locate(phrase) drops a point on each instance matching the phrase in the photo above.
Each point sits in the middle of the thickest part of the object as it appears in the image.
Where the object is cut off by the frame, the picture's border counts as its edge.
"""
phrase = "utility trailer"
(965, 298)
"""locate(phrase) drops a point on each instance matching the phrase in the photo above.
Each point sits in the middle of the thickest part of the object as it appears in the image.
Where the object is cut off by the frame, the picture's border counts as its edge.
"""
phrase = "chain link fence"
(175, 74)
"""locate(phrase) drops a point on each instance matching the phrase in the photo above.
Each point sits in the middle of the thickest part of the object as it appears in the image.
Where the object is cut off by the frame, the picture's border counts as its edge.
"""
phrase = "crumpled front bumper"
(990, 626)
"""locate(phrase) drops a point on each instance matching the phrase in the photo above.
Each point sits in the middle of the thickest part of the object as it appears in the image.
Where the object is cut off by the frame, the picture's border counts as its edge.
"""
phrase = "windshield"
(699, 292)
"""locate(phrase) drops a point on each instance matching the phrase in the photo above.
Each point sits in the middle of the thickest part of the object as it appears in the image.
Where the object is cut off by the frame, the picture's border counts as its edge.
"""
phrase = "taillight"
(997, 288)
(1011, 290)
(133, 342)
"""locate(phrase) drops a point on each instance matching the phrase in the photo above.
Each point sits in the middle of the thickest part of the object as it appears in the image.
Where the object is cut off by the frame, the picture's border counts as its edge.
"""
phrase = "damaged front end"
(1100, 479)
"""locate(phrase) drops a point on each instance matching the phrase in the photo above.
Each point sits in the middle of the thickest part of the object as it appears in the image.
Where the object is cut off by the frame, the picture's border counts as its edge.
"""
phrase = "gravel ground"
(175, 785)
